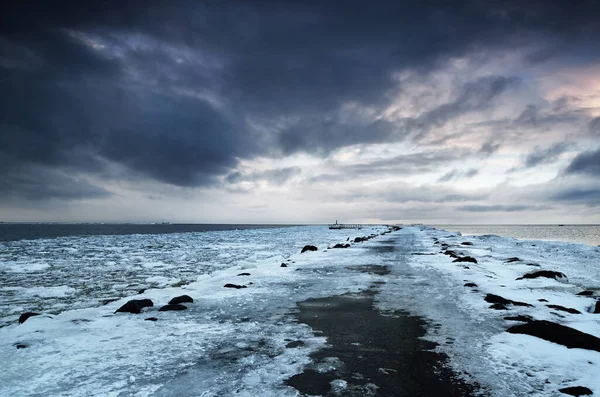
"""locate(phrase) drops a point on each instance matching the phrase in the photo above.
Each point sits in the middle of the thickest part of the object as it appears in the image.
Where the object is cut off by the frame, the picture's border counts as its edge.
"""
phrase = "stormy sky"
(300, 111)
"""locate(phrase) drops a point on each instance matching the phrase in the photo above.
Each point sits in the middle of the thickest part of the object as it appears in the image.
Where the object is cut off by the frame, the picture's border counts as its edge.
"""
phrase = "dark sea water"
(584, 234)
(32, 231)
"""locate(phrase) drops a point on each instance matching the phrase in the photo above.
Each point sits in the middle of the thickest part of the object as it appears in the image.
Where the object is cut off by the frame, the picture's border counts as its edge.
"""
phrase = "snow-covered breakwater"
(242, 340)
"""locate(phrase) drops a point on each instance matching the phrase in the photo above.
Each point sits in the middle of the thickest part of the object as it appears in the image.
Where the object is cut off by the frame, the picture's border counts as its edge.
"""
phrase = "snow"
(233, 341)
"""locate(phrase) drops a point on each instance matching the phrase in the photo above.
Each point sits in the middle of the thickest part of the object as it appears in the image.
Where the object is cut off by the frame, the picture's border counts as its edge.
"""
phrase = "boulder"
(597, 308)
(502, 302)
(341, 246)
(544, 273)
(151, 319)
(513, 259)
(465, 259)
(283, 265)
(228, 285)
(23, 317)
(20, 345)
(576, 391)
(244, 274)
(296, 343)
(585, 293)
(466, 243)
(522, 318)
(556, 333)
(135, 306)
(470, 285)
(360, 239)
(564, 309)
(451, 254)
(308, 248)
(181, 299)
(171, 307)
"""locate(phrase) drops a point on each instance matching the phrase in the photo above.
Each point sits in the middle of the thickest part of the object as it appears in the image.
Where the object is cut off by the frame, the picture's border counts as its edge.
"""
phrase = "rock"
(513, 259)
(181, 299)
(283, 265)
(544, 273)
(135, 306)
(151, 319)
(542, 300)
(107, 301)
(244, 274)
(341, 246)
(597, 308)
(556, 333)
(465, 259)
(296, 343)
(470, 285)
(234, 286)
(451, 254)
(522, 318)
(496, 299)
(20, 345)
(23, 317)
(308, 248)
(466, 243)
(396, 228)
(171, 307)
(576, 391)
(564, 309)
(360, 239)
(141, 291)
(585, 293)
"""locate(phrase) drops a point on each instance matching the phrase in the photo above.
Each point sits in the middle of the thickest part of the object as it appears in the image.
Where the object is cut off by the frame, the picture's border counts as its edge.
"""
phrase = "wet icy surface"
(233, 341)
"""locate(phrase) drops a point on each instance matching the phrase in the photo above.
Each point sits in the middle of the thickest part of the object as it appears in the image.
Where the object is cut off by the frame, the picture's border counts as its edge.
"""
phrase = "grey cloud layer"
(175, 91)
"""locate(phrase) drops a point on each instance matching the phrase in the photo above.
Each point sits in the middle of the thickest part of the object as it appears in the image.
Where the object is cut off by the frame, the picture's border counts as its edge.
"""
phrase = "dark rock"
(466, 243)
(544, 273)
(556, 333)
(522, 318)
(234, 286)
(141, 291)
(396, 228)
(496, 299)
(23, 317)
(499, 306)
(360, 239)
(513, 259)
(470, 285)
(585, 293)
(341, 246)
(294, 344)
(308, 248)
(181, 299)
(244, 274)
(20, 345)
(542, 300)
(451, 254)
(107, 301)
(348, 239)
(532, 264)
(576, 391)
(564, 309)
(597, 308)
(135, 306)
(151, 319)
(171, 307)
(465, 259)
(283, 265)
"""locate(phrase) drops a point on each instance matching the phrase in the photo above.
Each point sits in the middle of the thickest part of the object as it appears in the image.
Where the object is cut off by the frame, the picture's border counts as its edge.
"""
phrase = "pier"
(337, 226)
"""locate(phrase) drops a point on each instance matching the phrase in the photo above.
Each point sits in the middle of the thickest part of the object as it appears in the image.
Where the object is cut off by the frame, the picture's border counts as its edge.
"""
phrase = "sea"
(582, 234)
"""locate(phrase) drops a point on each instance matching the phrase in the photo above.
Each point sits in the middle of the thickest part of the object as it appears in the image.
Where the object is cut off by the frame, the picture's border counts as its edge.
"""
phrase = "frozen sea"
(234, 341)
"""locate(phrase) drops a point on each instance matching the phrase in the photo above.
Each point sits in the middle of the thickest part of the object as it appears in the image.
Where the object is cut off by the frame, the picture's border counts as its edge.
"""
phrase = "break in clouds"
(263, 111)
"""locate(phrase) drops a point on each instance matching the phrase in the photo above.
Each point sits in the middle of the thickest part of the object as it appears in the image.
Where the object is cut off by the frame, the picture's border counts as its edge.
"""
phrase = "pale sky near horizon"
(300, 111)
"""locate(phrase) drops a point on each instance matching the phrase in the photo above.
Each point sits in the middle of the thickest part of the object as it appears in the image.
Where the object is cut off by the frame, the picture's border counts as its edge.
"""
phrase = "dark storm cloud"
(167, 89)
(585, 163)
(545, 155)
(579, 195)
